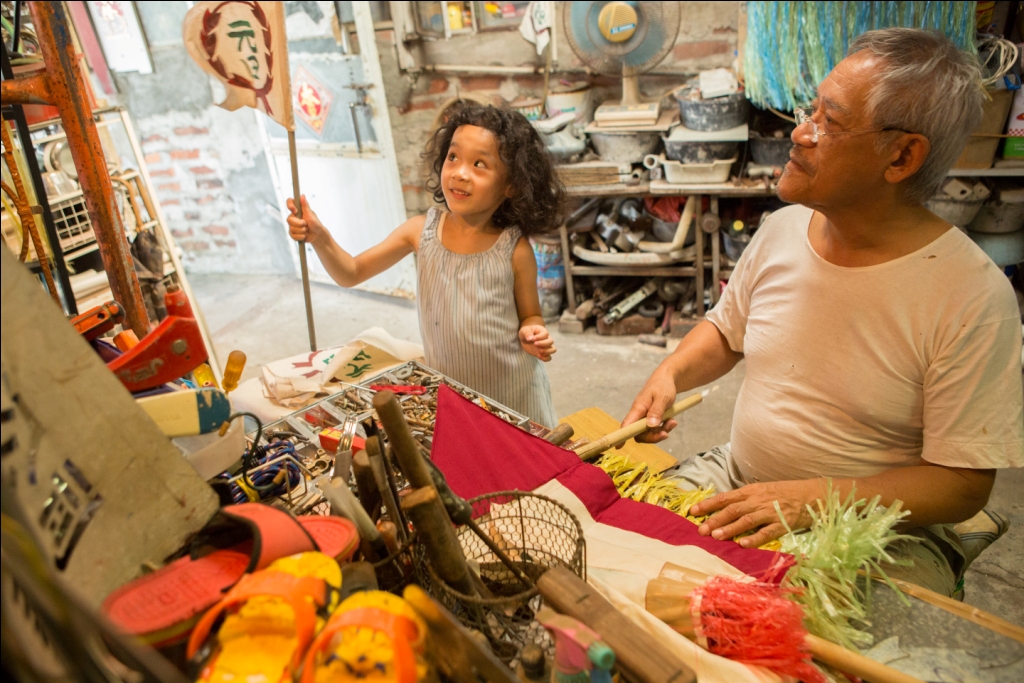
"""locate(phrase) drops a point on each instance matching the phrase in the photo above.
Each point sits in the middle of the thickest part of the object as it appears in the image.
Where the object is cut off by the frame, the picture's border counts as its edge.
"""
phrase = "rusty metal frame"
(63, 86)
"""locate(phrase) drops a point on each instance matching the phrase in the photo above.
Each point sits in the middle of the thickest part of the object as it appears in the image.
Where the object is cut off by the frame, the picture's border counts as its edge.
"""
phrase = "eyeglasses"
(803, 117)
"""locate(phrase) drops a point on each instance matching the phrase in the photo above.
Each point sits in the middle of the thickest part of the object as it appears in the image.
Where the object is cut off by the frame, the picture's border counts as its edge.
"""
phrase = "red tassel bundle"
(753, 623)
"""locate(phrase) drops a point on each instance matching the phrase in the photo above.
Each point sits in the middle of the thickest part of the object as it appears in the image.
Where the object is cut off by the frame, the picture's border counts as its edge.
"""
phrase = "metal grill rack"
(71, 218)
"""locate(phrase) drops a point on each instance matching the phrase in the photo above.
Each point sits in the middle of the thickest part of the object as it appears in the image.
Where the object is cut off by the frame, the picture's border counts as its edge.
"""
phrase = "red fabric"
(480, 453)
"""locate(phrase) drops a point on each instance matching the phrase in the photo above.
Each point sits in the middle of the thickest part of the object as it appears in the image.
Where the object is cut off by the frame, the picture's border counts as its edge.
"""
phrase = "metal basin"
(624, 148)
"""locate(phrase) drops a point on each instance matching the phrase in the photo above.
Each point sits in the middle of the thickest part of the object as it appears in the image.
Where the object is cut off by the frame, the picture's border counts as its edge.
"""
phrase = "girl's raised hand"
(536, 341)
(308, 228)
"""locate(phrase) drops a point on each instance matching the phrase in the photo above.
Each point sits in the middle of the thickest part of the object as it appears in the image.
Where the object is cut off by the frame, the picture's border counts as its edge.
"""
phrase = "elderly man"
(883, 347)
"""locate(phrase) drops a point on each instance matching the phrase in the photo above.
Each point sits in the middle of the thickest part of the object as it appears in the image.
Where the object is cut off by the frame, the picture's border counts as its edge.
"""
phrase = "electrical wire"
(1006, 54)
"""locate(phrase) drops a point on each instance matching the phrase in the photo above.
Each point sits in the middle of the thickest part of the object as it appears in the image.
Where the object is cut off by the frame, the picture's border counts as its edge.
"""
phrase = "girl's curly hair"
(538, 196)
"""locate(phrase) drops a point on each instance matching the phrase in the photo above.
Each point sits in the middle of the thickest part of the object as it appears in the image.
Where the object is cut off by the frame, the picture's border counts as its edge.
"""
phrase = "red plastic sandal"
(161, 608)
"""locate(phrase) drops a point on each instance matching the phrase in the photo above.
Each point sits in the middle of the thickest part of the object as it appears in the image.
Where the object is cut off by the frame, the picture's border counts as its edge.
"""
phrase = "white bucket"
(577, 101)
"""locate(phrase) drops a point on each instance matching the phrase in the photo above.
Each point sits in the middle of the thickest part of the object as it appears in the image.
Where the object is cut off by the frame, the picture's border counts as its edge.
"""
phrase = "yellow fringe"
(634, 480)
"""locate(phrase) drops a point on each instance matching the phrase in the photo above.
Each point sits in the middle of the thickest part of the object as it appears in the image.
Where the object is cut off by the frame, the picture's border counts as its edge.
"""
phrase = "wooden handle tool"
(386, 486)
(643, 659)
(560, 434)
(366, 484)
(855, 663)
(424, 507)
(406, 448)
(457, 654)
(621, 436)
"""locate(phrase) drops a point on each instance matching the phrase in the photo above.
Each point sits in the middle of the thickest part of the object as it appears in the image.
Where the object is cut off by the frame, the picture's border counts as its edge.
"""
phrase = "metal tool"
(631, 302)
(175, 348)
(98, 321)
(403, 389)
(386, 486)
(344, 504)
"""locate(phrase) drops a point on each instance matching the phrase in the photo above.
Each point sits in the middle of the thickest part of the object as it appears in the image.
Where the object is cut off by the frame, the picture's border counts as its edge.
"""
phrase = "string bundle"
(636, 481)
(792, 46)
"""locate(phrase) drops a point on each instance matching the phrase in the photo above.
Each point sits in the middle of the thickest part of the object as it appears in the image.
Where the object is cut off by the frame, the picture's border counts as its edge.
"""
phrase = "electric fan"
(626, 38)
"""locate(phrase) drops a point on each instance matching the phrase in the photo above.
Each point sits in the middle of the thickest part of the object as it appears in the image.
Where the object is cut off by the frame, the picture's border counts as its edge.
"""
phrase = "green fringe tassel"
(845, 537)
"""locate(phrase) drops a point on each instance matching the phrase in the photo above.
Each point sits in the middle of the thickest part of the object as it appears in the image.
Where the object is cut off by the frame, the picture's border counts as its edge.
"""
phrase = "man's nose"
(803, 135)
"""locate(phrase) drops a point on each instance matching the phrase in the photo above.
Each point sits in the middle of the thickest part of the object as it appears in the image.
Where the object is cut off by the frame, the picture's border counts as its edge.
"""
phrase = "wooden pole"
(297, 197)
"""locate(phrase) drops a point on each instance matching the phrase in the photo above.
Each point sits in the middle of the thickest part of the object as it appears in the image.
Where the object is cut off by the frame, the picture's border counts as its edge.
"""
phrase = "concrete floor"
(264, 317)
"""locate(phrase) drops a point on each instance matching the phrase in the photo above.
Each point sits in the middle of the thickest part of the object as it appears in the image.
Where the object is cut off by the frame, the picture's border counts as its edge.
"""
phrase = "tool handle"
(345, 504)
(855, 663)
(386, 486)
(560, 434)
(643, 659)
(406, 448)
(366, 484)
(621, 436)
(444, 553)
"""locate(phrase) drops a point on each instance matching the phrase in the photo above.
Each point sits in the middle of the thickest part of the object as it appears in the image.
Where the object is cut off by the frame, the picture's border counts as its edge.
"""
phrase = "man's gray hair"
(927, 86)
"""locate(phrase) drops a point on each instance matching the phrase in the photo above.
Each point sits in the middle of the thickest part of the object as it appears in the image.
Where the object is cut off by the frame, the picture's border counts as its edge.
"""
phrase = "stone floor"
(264, 317)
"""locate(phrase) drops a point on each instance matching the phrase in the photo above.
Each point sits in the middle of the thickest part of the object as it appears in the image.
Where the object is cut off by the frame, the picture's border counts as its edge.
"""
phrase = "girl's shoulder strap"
(509, 239)
(433, 217)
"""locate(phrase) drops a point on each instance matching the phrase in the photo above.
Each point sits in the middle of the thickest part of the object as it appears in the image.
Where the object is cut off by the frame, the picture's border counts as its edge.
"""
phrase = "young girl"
(477, 276)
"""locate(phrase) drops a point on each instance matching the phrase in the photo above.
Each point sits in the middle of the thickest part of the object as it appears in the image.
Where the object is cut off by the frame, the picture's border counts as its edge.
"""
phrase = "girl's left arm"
(533, 335)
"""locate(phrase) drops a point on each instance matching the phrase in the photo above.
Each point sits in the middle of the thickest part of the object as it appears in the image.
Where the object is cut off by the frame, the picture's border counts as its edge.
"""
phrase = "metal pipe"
(67, 90)
(355, 126)
(513, 70)
(297, 198)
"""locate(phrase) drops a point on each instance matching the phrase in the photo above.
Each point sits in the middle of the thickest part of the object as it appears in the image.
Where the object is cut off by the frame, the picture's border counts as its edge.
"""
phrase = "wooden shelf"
(613, 190)
(636, 271)
(986, 173)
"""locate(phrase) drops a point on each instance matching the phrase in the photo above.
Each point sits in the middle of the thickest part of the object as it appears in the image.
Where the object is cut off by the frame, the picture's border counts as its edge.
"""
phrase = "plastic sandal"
(266, 622)
(161, 608)
(373, 637)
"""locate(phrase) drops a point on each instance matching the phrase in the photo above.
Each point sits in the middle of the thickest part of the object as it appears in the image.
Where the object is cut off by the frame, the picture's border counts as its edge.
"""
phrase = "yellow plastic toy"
(373, 637)
(276, 614)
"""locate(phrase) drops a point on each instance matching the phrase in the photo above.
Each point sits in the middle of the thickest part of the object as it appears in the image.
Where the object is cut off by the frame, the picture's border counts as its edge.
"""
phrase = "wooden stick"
(643, 659)
(854, 663)
(444, 553)
(963, 610)
(459, 655)
(406, 448)
(297, 197)
(621, 436)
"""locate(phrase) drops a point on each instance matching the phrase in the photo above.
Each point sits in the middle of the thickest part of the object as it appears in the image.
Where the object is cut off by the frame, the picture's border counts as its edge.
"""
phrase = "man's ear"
(909, 153)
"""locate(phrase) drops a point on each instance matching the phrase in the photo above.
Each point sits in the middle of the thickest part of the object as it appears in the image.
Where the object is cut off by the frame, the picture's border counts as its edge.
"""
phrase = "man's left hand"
(753, 507)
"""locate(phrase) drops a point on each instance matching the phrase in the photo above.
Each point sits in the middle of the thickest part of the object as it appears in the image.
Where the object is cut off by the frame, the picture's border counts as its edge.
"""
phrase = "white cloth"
(619, 565)
(853, 371)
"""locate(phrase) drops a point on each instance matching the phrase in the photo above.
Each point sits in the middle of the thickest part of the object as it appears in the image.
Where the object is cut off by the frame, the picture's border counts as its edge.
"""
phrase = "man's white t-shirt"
(854, 371)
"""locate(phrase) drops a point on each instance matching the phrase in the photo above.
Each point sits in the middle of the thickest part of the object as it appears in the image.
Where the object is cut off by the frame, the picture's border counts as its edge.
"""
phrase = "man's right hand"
(306, 229)
(657, 395)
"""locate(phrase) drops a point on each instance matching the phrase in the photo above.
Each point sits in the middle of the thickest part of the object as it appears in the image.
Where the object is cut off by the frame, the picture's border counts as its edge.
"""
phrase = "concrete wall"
(707, 39)
(211, 175)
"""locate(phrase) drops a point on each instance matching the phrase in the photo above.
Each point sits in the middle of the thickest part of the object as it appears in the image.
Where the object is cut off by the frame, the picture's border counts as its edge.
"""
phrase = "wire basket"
(71, 219)
(537, 533)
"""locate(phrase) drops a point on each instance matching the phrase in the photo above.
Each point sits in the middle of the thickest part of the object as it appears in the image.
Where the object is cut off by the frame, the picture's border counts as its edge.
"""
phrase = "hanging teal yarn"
(792, 46)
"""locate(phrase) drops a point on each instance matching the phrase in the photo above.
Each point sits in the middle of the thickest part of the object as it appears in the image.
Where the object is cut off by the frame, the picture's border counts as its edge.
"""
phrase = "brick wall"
(184, 163)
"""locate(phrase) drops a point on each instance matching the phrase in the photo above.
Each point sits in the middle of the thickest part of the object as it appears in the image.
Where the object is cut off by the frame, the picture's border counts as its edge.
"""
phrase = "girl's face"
(473, 178)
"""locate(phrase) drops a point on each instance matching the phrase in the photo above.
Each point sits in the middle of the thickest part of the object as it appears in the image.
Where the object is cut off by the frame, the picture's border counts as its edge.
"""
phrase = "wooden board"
(594, 423)
(107, 492)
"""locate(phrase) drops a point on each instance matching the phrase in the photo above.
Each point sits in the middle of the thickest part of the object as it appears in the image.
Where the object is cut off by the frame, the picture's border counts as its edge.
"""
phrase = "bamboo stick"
(621, 436)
